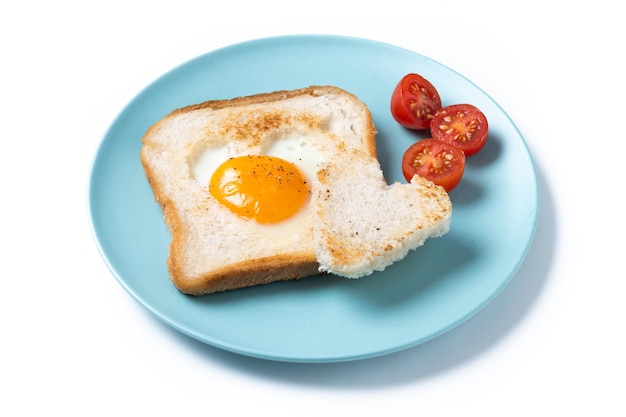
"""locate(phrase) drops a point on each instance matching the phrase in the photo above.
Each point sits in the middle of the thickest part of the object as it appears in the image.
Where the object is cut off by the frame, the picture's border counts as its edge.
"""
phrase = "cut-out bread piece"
(364, 225)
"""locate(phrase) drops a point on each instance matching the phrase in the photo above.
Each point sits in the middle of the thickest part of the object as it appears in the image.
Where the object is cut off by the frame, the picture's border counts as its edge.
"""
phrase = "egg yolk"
(260, 187)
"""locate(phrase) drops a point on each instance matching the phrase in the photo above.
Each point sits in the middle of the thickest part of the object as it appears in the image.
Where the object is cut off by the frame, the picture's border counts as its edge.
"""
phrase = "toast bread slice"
(213, 250)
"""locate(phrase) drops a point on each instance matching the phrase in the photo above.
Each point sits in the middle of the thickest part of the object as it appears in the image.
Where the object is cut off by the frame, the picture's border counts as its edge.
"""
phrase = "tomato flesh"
(462, 125)
(437, 161)
(414, 102)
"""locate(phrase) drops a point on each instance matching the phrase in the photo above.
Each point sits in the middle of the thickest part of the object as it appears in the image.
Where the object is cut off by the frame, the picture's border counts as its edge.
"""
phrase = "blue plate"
(322, 319)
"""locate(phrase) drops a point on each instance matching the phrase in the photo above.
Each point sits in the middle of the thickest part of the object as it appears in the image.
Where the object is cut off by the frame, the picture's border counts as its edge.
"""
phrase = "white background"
(75, 343)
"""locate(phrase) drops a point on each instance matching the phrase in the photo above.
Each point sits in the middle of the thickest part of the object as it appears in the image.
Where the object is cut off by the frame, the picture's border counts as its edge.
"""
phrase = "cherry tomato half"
(414, 101)
(436, 161)
(462, 125)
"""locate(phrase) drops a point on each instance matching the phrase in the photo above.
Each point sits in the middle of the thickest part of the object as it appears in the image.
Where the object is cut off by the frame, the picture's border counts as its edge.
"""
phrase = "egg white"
(298, 149)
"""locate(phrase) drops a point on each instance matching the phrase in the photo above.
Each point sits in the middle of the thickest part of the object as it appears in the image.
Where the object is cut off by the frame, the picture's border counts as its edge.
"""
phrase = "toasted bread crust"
(246, 274)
